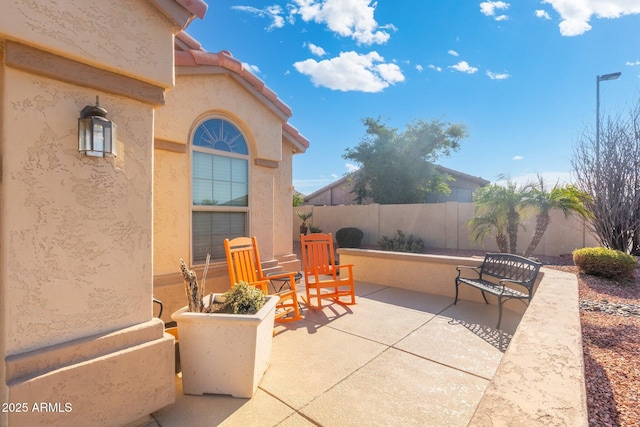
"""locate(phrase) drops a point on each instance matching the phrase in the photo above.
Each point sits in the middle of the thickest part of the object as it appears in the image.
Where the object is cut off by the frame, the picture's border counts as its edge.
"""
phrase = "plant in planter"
(304, 216)
(225, 339)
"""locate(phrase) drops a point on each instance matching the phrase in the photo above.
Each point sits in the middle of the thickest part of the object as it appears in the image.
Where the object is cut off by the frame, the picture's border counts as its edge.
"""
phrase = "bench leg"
(485, 297)
(499, 312)
(456, 300)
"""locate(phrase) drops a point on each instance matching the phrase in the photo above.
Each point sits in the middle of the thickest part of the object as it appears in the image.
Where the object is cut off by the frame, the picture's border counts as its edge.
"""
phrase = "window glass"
(220, 188)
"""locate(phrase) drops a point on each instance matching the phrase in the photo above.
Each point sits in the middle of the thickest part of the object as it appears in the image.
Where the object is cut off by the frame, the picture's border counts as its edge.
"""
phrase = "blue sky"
(521, 75)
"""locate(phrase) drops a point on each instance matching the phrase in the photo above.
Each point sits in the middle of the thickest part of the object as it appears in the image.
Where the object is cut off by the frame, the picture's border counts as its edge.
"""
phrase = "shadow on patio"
(397, 357)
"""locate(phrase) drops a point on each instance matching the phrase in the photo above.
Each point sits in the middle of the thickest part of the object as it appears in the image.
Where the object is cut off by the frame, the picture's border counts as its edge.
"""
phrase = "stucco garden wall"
(443, 225)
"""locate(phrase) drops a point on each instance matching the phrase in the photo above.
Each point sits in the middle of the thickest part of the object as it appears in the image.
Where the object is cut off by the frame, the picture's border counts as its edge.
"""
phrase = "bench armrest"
(460, 268)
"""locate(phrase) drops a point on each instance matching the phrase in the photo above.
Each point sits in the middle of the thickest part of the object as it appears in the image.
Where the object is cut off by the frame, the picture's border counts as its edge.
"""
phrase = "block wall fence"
(443, 225)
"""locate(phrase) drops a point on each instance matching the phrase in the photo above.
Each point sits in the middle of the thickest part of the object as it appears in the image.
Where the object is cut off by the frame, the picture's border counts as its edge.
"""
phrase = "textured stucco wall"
(76, 230)
(283, 196)
(195, 98)
(128, 37)
(3, 301)
(172, 216)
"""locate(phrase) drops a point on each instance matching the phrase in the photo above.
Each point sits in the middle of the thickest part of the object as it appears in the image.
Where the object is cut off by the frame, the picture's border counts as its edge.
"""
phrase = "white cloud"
(348, 18)
(517, 158)
(633, 64)
(253, 68)
(497, 76)
(316, 50)
(542, 14)
(433, 67)
(464, 67)
(576, 14)
(351, 167)
(419, 67)
(453, 52)
(351, 71)
(272, 12)
(489, 8)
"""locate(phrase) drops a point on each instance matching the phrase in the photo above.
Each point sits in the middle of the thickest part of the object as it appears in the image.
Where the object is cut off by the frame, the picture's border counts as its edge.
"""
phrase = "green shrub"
(349, 237)
(314, 229)
(604, 262)
(244, 299)
(401, 243)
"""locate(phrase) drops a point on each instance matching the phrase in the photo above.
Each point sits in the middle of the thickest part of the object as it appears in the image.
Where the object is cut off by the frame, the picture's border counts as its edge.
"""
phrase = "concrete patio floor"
(397, 357)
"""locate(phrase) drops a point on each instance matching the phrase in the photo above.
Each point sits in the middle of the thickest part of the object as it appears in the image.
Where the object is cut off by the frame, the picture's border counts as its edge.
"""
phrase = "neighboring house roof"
(189, 53)
(459, 176)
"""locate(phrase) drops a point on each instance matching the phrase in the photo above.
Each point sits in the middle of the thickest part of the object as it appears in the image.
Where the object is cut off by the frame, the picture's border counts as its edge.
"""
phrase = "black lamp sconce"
(96, 134)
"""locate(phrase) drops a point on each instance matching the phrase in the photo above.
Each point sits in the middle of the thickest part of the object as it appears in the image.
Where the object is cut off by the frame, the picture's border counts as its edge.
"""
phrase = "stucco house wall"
(76, 232)
(216, 85)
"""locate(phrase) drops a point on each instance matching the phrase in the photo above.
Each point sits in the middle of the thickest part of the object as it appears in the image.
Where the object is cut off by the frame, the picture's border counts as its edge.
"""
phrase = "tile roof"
(197, 7)
(189, 53)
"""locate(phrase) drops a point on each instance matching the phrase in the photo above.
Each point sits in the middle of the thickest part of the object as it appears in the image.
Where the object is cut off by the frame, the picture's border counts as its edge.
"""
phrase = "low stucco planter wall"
(225, 353)
(540, 379)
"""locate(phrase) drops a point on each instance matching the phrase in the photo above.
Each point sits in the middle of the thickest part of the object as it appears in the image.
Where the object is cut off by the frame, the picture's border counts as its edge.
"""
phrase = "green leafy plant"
(244, 299)
(609, 263)
(314, 229)
(349, 237)
(401, 243)
(304, 216)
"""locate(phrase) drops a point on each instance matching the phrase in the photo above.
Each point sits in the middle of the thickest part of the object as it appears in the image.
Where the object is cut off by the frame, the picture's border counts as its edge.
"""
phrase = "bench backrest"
(509, 266)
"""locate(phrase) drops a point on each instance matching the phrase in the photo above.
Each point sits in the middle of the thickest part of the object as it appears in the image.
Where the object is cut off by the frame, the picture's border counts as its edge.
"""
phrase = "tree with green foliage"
(298, 199)
(398, 167)
(569, 199)
(487, 223)
(499, 206)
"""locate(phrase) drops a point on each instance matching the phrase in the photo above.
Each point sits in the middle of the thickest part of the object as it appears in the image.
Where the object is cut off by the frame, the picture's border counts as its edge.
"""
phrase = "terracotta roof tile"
(195, 56)
(197, 7)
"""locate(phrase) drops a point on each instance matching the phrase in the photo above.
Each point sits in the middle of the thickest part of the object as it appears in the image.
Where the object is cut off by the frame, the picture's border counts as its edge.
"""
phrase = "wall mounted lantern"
(96, 134)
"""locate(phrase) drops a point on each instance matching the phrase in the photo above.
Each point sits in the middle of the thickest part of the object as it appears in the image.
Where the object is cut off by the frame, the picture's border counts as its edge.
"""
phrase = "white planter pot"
(225, 353)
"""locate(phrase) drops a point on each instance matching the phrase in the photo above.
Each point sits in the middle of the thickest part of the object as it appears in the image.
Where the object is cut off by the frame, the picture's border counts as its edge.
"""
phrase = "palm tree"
(567, 198)
(503, 204)
(485, 224)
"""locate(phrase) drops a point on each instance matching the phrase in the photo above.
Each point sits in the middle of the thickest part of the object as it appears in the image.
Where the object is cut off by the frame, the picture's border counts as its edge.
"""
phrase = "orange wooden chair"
(243, 261)
(323, 278)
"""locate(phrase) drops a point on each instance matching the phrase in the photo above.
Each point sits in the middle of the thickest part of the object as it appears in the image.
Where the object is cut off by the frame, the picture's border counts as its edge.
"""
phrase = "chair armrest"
(262, 285)
(338, 267)
(291, 275)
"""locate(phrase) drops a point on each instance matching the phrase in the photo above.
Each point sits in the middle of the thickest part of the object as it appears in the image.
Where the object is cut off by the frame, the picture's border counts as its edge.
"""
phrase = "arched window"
(220, 187)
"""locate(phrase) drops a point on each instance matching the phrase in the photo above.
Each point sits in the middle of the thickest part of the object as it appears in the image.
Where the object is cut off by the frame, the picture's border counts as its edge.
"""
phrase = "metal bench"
(497, 275)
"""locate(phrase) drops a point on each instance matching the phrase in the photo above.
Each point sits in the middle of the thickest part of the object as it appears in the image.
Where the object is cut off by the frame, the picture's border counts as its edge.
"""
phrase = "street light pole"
(599, 79)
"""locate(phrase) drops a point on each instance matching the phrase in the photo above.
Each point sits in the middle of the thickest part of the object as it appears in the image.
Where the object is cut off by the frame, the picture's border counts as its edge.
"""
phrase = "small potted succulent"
(225, 339)
(304, 216)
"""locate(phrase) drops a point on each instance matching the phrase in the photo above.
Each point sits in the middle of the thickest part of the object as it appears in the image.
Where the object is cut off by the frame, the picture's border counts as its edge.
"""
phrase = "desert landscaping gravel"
(610, 317)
